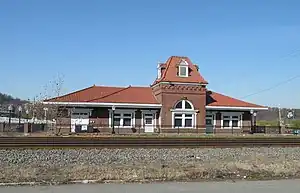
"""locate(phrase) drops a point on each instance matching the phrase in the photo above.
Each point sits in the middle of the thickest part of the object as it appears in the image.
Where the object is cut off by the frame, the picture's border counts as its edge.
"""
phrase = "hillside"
(8, 99)
(272, 114)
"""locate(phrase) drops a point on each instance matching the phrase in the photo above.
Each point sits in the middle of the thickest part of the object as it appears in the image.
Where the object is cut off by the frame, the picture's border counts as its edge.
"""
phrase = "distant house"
(177, 99)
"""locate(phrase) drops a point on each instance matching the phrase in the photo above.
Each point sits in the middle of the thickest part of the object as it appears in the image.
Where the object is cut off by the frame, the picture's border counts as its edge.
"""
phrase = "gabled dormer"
(183, 68)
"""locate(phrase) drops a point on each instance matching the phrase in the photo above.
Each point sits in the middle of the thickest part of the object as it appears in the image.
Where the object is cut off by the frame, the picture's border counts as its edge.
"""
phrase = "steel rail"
(143, 142)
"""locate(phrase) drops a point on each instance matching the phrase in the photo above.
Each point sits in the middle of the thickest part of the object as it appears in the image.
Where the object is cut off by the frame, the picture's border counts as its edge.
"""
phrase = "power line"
(272, 87)
(293, 54)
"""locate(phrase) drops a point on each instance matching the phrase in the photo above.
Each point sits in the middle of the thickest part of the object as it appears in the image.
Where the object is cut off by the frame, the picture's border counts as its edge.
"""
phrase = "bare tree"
(49, 113)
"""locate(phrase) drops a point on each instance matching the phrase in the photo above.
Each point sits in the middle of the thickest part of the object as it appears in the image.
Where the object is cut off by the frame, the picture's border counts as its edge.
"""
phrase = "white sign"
(290, 115)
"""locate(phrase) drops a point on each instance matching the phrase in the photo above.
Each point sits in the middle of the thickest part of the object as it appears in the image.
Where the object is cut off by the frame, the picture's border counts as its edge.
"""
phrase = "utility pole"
(280, 120)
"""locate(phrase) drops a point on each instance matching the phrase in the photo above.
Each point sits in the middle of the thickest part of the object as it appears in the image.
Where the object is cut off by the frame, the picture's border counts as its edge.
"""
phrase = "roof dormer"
(183, 68)
(160, 69)
(179, 69)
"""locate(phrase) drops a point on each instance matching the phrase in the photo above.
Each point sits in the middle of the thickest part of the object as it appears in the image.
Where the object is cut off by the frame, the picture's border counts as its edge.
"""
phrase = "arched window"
(183, 115)
(184, 104)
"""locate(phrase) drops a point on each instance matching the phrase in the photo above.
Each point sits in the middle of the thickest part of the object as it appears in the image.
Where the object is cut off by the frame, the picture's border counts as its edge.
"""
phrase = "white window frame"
(231, 115)
(183, 64)
(183, 118)
(183, 105)
(184, 111)
(122, 112)
(80, 111)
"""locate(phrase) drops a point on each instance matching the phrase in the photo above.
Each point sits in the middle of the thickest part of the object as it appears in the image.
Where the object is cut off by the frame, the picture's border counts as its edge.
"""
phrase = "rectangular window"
(183, 120)
(117, 121)
(178, 122)
(148, 121)
(188, 123)
(126, 121)
(226, 123)
(117, 115)
(231, 121)
(235, 123)
(123, 120)
(183, 71)
(178, 115)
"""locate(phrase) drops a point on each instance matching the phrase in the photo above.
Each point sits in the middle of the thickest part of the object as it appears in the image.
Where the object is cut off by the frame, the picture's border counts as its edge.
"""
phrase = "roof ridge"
(140, 87)
(122, 89)
(110, 86)
(74, 92)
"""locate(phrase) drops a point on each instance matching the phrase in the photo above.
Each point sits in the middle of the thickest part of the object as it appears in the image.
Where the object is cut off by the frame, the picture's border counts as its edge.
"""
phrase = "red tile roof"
(104, 94)
(139, 95)
(170, 72)
(216, 99)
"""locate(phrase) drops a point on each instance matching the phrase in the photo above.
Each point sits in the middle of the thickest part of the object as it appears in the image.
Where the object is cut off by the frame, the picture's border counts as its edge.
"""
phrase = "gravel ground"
(65, 165)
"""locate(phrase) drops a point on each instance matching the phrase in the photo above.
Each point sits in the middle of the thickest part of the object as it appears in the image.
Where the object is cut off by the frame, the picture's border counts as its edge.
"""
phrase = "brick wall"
(168, 95)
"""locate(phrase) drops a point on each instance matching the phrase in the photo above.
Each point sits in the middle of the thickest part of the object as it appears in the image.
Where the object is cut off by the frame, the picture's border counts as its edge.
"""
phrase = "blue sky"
(241, 47)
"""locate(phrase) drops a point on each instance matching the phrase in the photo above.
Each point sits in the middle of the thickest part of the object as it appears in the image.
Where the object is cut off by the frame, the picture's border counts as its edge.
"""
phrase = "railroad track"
(143, 142)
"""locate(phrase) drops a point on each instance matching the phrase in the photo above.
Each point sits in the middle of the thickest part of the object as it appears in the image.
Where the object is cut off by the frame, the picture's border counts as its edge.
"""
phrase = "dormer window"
(158, 73)
(160, 68)
(183, 69)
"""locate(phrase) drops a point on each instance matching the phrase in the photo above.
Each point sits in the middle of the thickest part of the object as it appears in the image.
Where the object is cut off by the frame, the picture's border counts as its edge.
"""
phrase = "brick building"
(177, 100)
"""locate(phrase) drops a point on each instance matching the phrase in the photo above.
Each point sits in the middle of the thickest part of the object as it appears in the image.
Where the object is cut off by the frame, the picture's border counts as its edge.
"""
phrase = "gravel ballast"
(132, 165)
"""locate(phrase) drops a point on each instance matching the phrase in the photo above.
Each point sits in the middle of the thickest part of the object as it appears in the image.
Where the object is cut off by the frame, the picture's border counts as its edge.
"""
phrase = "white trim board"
(184, 110)
(181, 83)
(236, 108)
(87, 104)
(137, 105)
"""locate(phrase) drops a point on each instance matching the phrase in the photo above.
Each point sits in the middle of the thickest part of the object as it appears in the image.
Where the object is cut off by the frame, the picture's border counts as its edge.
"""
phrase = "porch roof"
(104, 94)
(222, 102)
(141, 97)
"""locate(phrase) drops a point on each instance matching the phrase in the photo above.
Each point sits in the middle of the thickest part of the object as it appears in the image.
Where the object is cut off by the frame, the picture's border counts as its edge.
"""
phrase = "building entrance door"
(149, 123)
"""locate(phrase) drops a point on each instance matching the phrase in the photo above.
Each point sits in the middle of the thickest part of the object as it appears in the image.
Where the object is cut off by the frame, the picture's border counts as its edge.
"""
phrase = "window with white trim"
(183, 69)
(183, 115)
(184, 105)
(235, 121)
(183, 120)
(231, 120)
(123, 119)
